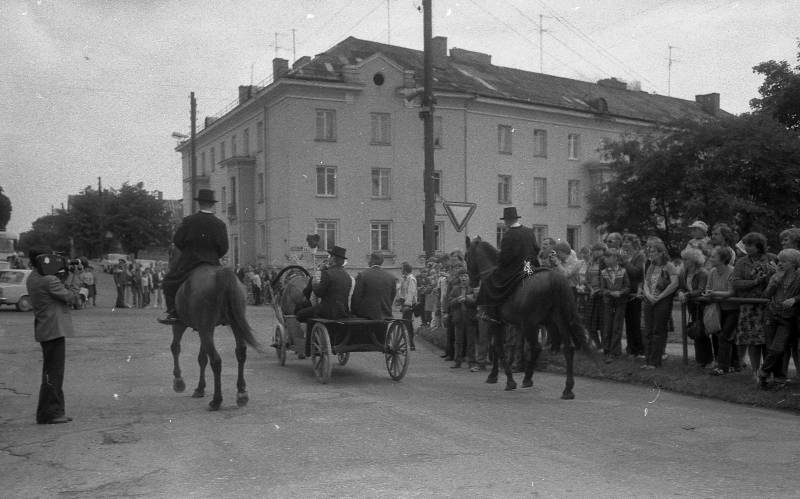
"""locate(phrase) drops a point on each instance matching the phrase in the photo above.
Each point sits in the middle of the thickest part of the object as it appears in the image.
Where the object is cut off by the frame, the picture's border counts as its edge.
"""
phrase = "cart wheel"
(343, 358)
(321, 352)
(279, 342)
(396, 352)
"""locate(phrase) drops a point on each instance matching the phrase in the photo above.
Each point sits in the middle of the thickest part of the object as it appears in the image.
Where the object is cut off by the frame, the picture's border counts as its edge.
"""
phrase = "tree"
(51, 231)
(5, 209)
(137, 219)
(780, 92)
(87, 223)
(741, 170)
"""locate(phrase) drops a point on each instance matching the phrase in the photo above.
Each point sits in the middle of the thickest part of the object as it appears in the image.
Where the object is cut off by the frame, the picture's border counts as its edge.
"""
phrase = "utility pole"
(388, 22)
(541, 43)
(426, 113)
(294, 47)
(193, 160)
(669, 69)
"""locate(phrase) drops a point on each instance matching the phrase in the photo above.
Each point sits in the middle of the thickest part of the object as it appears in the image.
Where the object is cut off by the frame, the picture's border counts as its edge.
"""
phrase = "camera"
(51, 264)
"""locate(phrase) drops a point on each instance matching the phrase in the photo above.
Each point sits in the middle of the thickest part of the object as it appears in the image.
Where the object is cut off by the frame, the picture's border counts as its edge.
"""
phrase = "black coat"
(201, 238)
(333, 290)
(517, 246)
(374, 294)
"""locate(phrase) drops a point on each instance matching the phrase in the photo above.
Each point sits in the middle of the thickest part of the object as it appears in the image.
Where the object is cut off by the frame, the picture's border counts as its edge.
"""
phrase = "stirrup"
(488, 318)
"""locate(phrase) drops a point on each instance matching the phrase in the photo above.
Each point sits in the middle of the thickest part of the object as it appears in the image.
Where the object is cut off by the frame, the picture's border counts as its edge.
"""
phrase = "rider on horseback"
(517, 248)
(202, 238)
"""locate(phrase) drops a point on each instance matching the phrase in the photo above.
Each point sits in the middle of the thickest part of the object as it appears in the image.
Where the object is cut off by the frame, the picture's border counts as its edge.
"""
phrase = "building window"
(326, 181)
(260, 188)
(326, 125)
(573, 146)
(222, 151)
(540, 231)
(380, 183)
(574, 236)
(224, 199)
(504, 189)
(246, 142)
(235, 248)
(260, 136)
(381, 129)
(232, 206)
(262, 239)
(500, 233)
(438, 236)
(203, 163)
(327, 233)
(437, 132)
(574, 193)
(437, 183)
(539, 191)
(233, 145)
(504, 139)
(540, 143)
(213, 159)
(380, 236)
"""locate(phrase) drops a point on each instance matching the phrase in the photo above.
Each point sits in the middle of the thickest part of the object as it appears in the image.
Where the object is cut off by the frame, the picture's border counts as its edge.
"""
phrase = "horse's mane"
(490, 251)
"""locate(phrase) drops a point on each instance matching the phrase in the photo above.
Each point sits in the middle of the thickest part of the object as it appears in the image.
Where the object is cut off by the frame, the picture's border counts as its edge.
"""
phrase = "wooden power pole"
(193, 153)
(426, 113)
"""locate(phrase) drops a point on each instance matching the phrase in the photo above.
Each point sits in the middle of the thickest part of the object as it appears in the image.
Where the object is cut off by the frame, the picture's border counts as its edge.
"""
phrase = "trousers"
(51, 394)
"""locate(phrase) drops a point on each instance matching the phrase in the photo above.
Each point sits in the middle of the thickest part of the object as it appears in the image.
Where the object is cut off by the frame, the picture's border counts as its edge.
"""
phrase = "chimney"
(301, 62)
(709, 103)
(209, 120)
(279, 68)
(439, 50)
(470, 57)
(613, 83)
(245, 92)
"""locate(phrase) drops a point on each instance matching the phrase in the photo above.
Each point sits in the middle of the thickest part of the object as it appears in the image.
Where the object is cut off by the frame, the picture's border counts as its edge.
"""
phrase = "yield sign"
(459, 213)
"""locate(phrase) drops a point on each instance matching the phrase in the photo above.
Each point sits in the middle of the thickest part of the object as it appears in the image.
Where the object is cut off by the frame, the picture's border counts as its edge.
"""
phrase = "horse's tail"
(569, 312)
(235, 301)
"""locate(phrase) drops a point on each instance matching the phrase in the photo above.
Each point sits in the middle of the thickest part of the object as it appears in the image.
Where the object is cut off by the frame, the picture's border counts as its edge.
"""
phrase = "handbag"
(695, 330)
(711, 319)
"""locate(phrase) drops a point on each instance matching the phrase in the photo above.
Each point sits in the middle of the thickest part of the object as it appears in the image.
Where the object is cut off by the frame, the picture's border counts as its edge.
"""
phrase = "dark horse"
(212, 296)
(541, 299)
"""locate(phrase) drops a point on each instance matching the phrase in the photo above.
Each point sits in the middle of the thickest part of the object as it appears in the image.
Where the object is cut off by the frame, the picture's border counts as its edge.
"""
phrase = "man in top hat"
(333, 289)
(202, 238)
(517, 247)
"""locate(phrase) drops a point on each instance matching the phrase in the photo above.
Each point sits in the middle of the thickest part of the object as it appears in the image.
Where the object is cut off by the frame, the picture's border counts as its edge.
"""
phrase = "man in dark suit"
(333, 290)
(517, 247)
(202, 238)
(52, 323)
(375, 290)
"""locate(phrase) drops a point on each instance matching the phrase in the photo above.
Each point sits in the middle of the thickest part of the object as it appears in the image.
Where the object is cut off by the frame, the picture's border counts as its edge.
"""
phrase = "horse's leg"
(241, 387)
(177, 382)
(569, 354)
(202, 361)
(496, 338)
(532, 334)
(512, 336)
(207, 342)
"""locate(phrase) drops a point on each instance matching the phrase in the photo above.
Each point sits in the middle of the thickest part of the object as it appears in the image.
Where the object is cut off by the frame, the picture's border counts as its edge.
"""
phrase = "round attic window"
(378, 79)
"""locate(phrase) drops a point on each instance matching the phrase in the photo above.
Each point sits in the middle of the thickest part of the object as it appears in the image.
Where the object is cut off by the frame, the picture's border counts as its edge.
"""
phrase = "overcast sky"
(95, 88)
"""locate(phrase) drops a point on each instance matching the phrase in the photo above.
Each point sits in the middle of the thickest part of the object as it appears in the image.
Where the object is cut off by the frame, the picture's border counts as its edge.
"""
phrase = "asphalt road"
(439, 432)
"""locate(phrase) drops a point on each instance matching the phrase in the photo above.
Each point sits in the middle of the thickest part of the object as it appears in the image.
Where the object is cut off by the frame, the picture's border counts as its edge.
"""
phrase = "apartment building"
(334, 146)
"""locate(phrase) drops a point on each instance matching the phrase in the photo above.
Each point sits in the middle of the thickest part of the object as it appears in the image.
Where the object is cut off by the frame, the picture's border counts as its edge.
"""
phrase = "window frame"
(325, 227)
(330, 175)
(437, 184)
(380, 129)
(260, 190)
(325, 129)
(246, 142)
(504, 185)
(574, 197)
(537, 183)
(383, 229)
(576, 242)
(504, 139)
(540, 143)
(438, 125)
(573, 146)
(380, 176)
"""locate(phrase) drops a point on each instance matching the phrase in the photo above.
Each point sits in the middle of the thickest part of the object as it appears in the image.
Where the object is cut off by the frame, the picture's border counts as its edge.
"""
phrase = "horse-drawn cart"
(328, 338)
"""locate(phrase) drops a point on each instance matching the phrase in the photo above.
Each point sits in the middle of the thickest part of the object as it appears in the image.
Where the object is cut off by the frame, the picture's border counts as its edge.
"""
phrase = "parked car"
(110, 261)
(13, 289)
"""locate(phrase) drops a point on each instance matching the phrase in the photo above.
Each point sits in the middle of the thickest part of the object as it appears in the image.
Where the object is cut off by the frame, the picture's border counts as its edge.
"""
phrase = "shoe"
(443, 356)
(58, 420)
(457, 365)
(609, 359)
(168, 319)
(717, 372)
(448, 359)
(648, 367)
(640, 357)
(476, 369)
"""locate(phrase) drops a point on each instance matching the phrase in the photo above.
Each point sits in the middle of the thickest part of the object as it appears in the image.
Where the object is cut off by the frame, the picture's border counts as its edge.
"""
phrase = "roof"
(475, 76)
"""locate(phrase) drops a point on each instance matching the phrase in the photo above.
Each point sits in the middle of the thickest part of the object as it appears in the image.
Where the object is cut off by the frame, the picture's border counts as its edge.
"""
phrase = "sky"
(95, 88)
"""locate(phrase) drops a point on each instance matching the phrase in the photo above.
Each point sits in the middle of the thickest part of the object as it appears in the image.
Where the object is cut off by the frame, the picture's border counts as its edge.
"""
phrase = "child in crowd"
(615, 287)
(462, 312)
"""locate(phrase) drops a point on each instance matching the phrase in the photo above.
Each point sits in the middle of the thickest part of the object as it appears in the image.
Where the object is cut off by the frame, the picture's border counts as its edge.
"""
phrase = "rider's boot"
(171, 316)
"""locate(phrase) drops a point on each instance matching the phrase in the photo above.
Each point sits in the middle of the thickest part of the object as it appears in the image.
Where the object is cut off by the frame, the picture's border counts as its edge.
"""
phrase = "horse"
(543, 298)
(287, 291)
(212, 296)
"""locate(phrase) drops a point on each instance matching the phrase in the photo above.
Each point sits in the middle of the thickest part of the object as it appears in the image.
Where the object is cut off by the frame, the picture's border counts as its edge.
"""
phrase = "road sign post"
(459, 213)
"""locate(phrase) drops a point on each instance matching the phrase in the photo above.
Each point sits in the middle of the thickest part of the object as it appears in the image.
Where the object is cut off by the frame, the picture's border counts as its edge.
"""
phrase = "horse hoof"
(178, 385)
(198, 394)
(491, 379)
(214, 405)
(567, 396)
(527, 383)
(242, 399)
(511, 385)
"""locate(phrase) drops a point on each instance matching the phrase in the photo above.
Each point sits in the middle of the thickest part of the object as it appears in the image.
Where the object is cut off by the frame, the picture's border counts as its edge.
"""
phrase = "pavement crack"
(117, 488)
(14, 391)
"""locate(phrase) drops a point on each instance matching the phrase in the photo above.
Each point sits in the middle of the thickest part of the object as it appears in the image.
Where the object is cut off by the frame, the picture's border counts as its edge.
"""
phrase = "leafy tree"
(780, 92)
(5, 209)
(741, 170)
(88, 222)
(137, 219)
(50, 231)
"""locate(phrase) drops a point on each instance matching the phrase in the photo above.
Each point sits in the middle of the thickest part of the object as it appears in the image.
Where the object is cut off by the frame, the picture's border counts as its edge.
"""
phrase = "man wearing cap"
(333, 289)
(699, 232)
(517, 247)
(375, 290)
(202, 238)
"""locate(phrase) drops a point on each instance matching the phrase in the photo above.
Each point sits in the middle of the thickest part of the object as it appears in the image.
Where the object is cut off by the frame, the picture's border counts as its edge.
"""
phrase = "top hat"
(510, 213)
(339, 252)
(205, 195)
(699, 224)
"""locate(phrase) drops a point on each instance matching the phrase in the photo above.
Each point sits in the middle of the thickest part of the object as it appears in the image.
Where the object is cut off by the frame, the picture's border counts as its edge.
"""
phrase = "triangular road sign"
(459, 213)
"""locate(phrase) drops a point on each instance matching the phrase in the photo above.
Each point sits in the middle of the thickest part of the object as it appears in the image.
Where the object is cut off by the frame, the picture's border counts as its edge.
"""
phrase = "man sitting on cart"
(375, 290)
(333, 290)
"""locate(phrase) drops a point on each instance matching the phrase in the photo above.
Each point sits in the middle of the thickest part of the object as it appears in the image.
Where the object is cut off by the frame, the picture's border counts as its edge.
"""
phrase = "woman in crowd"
(723, 236)
(633, 261)
(750, 277)
(593, 313)
(692, 281)
(660, 284)
(719, 287)
(783, 290)
(613, 240)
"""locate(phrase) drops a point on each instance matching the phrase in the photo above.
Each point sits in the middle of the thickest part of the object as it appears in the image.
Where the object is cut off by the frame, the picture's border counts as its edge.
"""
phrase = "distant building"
(333, 146)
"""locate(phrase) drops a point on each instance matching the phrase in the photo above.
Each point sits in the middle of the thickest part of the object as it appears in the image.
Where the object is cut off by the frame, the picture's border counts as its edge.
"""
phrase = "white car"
(14, 290)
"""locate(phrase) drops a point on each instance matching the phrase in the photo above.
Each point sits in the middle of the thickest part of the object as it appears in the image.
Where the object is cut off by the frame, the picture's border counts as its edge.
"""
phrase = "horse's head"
(481, 259)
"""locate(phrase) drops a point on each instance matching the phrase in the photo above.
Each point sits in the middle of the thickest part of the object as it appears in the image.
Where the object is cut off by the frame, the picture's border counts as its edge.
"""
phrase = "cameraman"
(52, 323)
